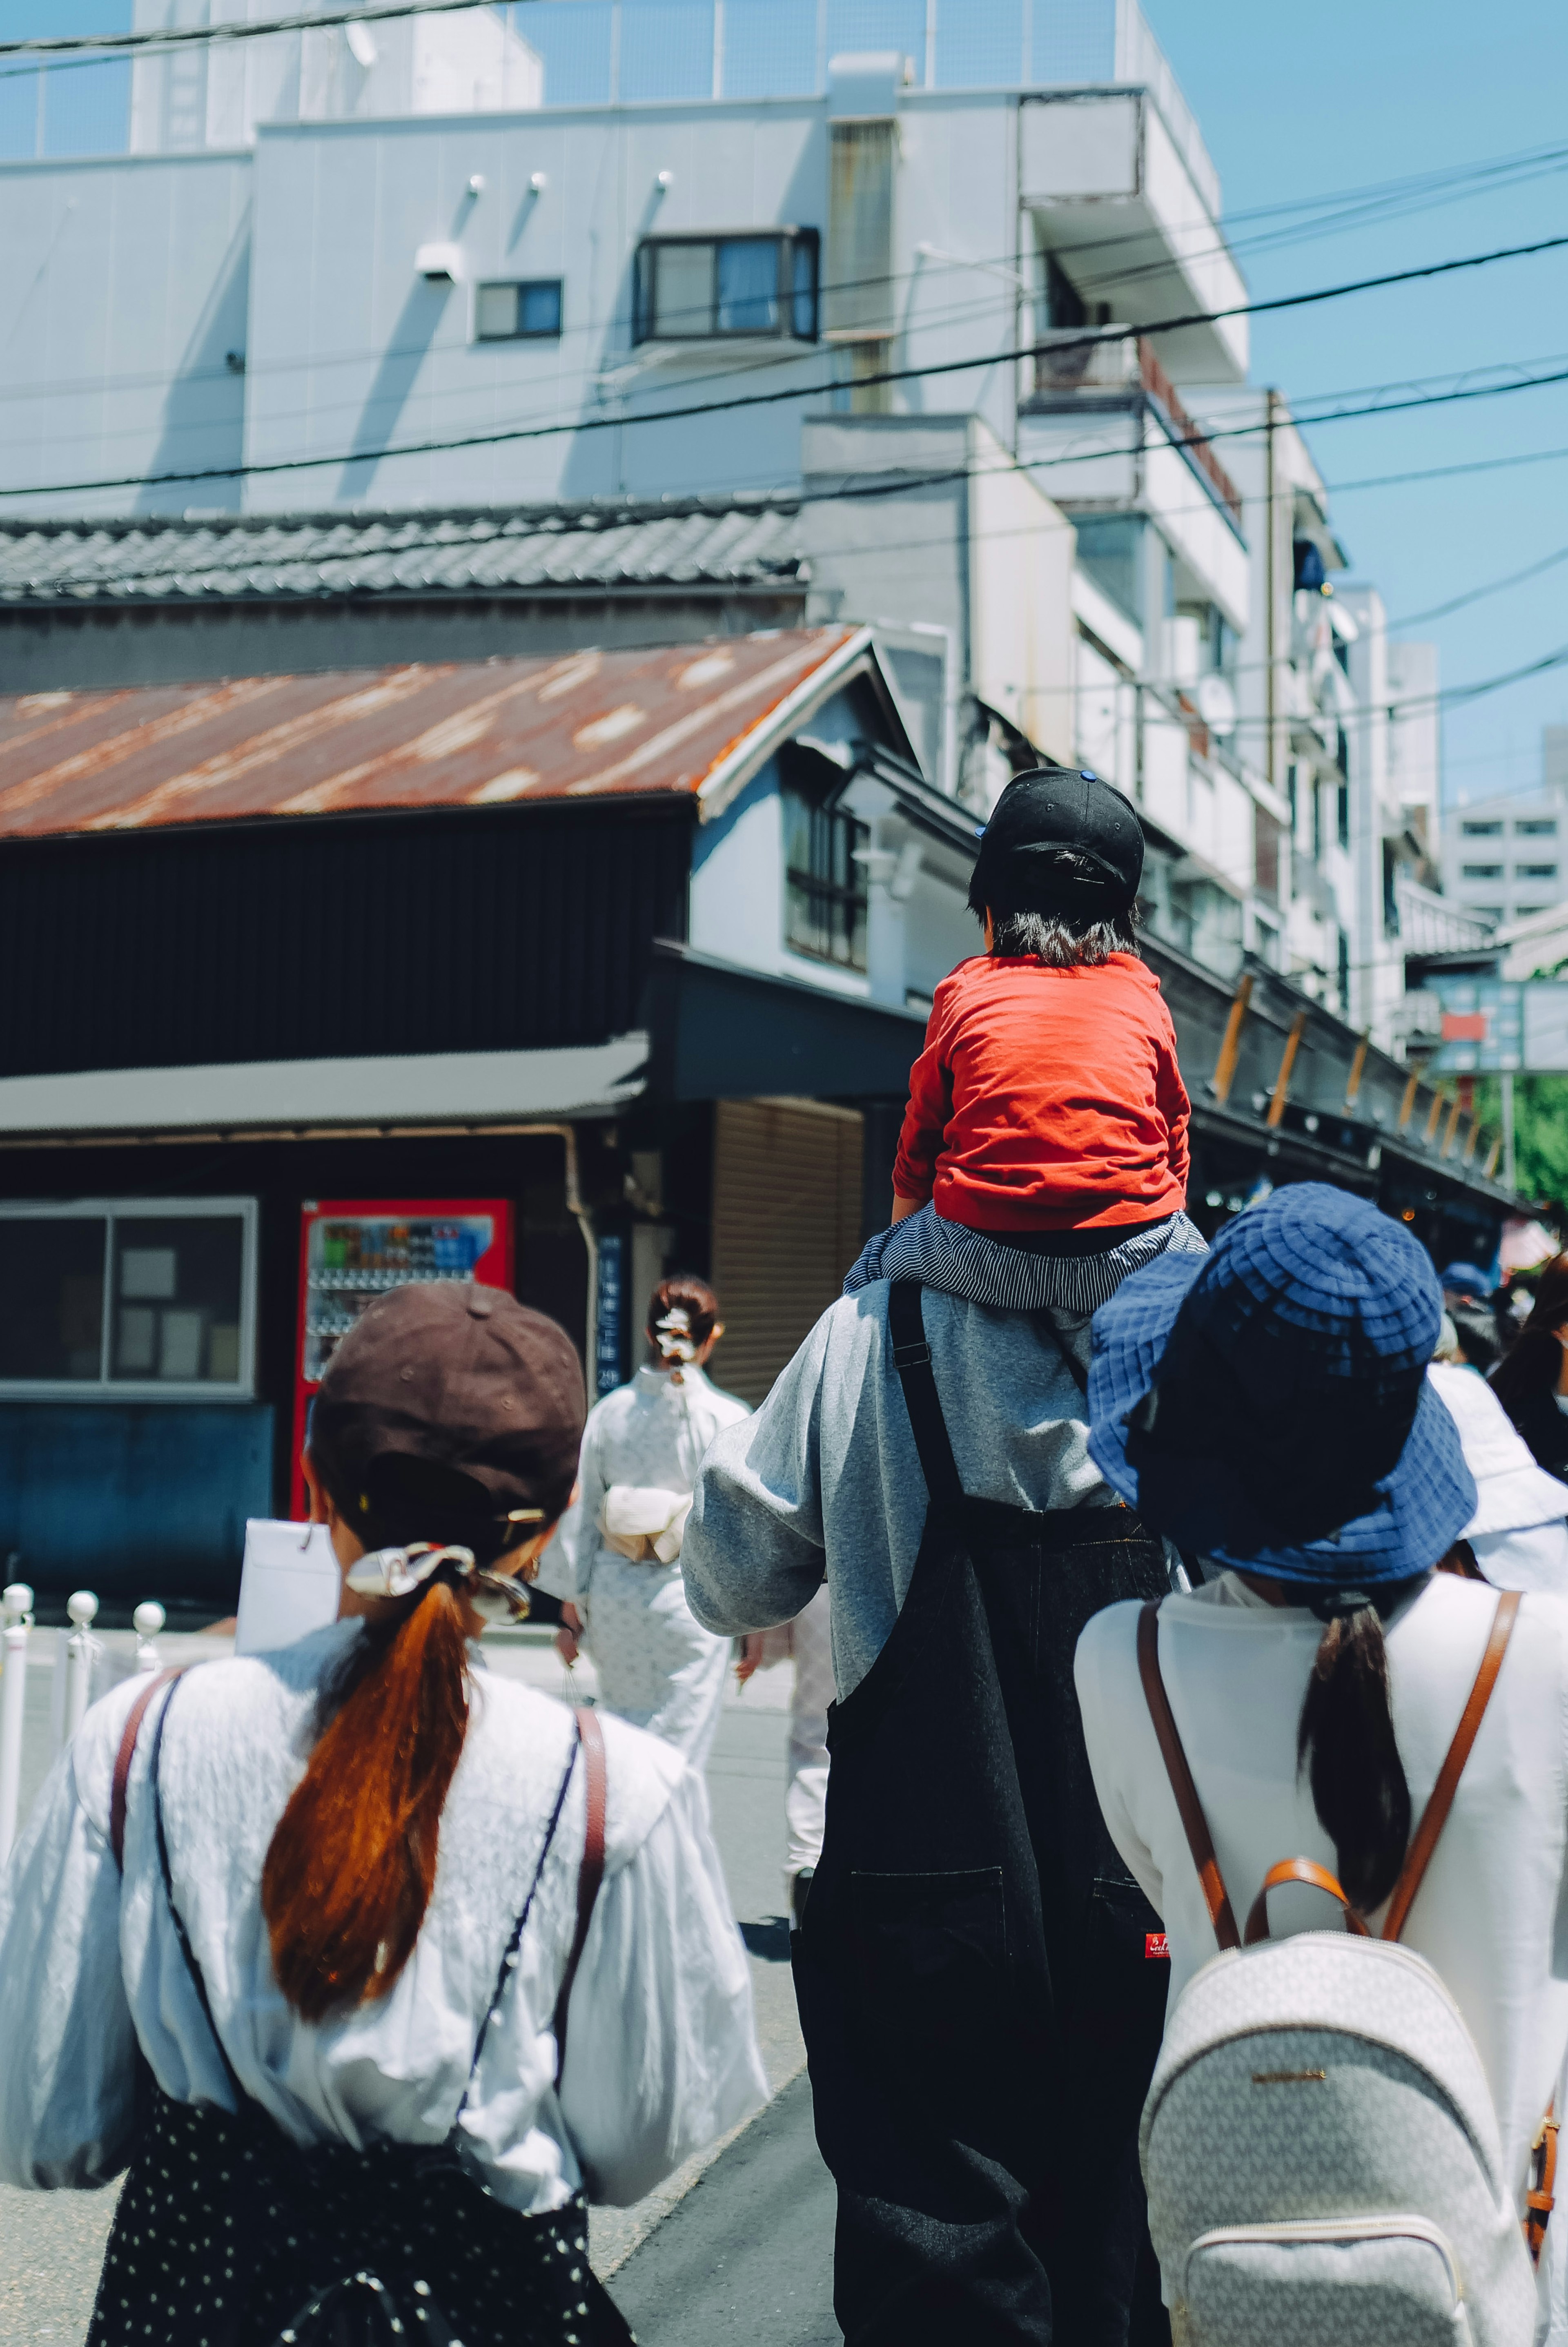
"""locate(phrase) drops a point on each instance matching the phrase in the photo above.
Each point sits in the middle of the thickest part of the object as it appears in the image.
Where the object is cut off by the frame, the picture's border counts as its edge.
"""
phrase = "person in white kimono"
(616, 1560)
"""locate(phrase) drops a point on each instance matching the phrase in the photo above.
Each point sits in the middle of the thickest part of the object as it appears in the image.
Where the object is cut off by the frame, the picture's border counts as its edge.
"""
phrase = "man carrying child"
(979, 1978)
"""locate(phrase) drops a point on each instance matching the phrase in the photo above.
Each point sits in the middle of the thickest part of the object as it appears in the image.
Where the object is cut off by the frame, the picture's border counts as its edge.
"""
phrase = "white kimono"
(662, 2056)
(657, 1666)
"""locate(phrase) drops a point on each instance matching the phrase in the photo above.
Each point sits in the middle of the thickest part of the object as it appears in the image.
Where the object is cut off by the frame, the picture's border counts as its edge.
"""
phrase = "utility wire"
(179, 36)
(748, 400)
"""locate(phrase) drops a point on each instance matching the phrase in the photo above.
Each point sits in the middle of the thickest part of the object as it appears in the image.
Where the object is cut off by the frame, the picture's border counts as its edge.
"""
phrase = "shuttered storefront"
(786, 1228)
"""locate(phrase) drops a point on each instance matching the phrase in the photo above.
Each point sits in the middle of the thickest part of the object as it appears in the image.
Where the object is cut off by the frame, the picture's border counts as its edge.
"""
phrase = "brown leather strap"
(124, 1757)
(1435, 1816)
(1540, 2202)
(1216, 1897)
(590, 1736)
(1298, 1869)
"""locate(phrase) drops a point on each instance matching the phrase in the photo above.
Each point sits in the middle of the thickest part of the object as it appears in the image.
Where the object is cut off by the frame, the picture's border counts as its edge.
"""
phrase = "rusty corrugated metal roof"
(452, 735)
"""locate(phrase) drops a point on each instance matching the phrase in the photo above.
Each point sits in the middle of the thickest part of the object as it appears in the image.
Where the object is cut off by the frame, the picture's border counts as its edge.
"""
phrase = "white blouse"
(650, 1433)
(663, 2054)
(1492, 1915)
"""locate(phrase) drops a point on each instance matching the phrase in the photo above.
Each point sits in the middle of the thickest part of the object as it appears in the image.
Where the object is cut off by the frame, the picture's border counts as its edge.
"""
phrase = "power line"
(1475, 594)
(748, 400)
(175, 36)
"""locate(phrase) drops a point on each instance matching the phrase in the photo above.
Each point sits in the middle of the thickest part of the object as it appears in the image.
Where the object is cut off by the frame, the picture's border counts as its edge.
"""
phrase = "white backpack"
(1320, 2147)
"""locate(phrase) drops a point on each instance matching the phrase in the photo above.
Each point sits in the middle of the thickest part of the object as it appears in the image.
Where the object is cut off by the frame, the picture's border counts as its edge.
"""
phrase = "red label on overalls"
(1156, 1944)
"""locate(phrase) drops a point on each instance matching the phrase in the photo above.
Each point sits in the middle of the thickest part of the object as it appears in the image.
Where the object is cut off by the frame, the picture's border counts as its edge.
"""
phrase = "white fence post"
(83, 1607)
(17, 1608)
(148, 1618)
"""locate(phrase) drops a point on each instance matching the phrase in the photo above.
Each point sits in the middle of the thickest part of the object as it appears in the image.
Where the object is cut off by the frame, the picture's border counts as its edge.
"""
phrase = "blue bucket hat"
(1266, 1404)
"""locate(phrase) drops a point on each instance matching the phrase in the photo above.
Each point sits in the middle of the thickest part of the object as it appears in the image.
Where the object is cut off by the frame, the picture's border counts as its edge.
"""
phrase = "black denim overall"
(980, 2003)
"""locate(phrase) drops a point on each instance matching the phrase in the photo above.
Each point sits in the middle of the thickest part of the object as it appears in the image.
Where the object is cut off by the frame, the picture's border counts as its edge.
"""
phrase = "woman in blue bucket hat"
(1267, 1408)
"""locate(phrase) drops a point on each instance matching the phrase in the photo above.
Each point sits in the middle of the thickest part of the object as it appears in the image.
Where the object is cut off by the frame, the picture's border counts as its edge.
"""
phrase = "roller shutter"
(786, 1228)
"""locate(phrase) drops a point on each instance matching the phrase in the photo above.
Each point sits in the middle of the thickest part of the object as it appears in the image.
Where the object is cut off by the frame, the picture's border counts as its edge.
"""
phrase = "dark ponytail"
(1346, 1745)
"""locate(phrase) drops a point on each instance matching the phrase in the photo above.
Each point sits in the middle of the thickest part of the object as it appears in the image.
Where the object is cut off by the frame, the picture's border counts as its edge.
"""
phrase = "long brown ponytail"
(1346, 1743)
(352, 1864)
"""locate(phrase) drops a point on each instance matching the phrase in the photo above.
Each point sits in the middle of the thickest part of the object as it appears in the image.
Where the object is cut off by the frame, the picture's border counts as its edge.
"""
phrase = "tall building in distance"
(1506, 858)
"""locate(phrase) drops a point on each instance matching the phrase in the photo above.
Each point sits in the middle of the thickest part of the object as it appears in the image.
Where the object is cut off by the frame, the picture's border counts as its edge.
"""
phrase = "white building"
(437, 270)
(1505, 859)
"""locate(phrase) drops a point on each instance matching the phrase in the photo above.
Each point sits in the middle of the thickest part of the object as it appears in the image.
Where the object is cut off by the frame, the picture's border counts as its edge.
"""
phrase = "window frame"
(105, 1388)
(789, 240)
(521, 286)
(838, 897)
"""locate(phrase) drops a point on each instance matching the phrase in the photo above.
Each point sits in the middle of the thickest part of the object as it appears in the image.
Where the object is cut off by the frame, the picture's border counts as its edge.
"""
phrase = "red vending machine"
(354, 1249)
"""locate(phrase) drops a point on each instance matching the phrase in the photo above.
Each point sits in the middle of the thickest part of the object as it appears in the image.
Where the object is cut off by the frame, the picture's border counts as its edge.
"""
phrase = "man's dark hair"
(1062, 941)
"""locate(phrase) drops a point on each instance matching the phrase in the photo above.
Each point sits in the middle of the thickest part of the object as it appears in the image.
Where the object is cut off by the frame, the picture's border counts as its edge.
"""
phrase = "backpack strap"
(1434, 1817)
(590, 1736)
(1539, 2200)
(1215, 1896)
(912, 1359)
(124, 1757)
(1298, 1869)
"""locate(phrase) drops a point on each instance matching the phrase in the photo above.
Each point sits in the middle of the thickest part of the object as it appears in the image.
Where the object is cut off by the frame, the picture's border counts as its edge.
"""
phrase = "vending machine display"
(354, 1249)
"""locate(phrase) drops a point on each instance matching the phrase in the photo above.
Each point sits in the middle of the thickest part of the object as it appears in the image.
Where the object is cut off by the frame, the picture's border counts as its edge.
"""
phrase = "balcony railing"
(1066, 362)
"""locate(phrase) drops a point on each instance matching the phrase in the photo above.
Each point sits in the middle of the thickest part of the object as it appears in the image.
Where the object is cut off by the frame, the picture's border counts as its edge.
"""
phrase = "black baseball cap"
(1058, 841)
(450, 1400)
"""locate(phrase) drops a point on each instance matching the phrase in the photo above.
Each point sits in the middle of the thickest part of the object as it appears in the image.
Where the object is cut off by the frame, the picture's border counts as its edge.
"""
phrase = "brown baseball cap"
(484, 1394)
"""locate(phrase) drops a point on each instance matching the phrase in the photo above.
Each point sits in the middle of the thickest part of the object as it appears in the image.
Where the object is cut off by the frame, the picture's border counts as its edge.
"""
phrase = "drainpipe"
(567, 1135)
(1270, 628)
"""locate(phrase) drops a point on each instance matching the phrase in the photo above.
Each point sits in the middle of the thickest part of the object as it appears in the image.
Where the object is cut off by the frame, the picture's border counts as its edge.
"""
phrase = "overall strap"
(124, 1757)
(1215, 1896)
(912, 1359)
(1434, 1817)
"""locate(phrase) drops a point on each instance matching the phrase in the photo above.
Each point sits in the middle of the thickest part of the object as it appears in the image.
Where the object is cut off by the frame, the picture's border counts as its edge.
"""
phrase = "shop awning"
(279, 1098)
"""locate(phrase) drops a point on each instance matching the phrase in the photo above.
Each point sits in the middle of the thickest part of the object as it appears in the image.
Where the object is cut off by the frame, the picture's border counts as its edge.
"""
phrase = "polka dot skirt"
(228, 2235)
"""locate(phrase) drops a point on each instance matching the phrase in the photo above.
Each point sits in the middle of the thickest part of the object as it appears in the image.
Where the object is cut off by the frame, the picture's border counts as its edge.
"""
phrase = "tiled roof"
(449, 734)
(731, 543)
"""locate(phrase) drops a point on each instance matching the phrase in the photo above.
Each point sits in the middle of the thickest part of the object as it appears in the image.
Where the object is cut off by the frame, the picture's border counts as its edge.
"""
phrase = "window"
(1481, 830)
(1482, 871)
(703, 289)
(824, 887)
(1535, 872)
(1520, 912)
(145, 1298)
(518, 313)
(1535, 826)
(1110, 550)
(1485, 912)
(1342, 808)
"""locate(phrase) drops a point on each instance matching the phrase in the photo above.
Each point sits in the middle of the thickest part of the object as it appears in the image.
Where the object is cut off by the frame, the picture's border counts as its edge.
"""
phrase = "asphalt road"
(737, 2243)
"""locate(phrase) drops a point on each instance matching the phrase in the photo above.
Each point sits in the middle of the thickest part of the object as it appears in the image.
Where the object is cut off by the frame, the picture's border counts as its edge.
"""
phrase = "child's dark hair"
(1061, 940)
(684, 1292)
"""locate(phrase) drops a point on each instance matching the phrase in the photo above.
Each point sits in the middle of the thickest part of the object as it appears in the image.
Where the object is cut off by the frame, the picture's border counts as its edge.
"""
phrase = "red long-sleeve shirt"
(1047, 1099)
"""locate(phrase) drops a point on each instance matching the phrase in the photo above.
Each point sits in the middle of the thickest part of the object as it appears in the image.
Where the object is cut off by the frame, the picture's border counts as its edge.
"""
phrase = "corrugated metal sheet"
(288, 557)
(489, 733)
(786, 1227)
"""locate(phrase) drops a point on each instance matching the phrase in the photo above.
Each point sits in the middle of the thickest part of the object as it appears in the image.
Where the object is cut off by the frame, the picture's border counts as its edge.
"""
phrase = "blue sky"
(1297, 103)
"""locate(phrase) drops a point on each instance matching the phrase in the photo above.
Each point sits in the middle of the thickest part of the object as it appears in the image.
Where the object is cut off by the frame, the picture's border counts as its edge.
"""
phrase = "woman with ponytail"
(1267, 1407)
(376, 1966)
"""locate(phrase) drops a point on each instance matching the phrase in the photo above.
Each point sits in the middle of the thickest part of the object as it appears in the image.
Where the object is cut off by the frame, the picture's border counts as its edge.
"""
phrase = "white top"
(1512, 1493)
(649, 1432)
(1492, 1915)
(663, 2054)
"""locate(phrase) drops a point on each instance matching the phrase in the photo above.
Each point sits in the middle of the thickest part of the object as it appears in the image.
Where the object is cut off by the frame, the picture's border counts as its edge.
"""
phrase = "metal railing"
(76, 1656)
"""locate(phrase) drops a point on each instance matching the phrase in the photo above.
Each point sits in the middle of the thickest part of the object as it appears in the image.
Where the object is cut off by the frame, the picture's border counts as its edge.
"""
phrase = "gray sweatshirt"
(825, 1480)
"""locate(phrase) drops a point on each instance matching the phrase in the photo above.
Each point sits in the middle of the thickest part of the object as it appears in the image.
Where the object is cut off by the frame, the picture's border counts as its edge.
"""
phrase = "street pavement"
(739, 2240)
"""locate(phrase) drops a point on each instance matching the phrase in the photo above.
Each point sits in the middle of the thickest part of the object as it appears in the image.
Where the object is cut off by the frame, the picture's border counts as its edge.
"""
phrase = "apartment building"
(1506, 858)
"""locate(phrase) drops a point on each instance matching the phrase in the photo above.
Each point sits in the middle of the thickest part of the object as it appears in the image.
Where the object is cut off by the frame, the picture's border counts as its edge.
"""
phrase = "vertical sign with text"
(610, 1313)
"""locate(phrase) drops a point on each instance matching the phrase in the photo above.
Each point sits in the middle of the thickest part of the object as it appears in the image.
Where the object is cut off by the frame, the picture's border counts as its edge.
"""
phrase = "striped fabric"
(987, 1270)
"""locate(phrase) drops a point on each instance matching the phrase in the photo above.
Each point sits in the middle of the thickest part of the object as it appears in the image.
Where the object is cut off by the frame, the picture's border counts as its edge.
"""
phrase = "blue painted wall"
(133, 1500)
